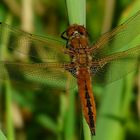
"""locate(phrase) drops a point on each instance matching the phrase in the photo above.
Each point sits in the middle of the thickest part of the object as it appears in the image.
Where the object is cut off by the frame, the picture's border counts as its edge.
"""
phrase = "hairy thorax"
(80, 51)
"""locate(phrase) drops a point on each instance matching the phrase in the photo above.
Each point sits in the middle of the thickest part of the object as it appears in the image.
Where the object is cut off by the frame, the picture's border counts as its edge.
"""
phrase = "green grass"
(2, 136)
(8, 99)
(76, 11)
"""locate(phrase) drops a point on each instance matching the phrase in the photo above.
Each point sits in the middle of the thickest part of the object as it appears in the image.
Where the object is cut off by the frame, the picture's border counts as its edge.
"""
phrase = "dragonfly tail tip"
(93, 131)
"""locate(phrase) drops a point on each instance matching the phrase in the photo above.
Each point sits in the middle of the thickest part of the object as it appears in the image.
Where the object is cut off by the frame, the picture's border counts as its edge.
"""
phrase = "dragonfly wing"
(38, 47)
(52, 74)
(120, 38)
(115, 66)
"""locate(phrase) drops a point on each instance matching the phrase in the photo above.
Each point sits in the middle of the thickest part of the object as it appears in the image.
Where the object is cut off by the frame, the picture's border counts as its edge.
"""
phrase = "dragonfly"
(73, 58)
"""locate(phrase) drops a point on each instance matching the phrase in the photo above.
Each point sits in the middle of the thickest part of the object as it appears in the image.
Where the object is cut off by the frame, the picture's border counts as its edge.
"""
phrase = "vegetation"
(49, 111)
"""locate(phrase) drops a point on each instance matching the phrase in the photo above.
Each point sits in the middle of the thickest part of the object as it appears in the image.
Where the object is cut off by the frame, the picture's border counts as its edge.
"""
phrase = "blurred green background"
(51, 113)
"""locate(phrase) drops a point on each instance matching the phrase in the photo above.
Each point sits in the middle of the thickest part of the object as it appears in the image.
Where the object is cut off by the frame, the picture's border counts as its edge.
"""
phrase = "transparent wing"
(52, 74)
(120, 38)
(116, 66)
(44, 48)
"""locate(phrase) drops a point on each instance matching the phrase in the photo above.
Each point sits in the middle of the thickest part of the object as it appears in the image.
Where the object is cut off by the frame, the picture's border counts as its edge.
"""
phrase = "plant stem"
(8, 99)
(76, 11)
(77, 15)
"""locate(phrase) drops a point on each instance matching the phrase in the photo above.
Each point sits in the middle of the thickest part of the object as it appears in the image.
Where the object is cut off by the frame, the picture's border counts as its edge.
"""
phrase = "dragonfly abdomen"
(87, 98)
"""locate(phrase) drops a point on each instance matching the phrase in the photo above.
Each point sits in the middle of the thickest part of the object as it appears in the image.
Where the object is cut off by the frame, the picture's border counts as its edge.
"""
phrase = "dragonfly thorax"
(78, 45)
(82, 59)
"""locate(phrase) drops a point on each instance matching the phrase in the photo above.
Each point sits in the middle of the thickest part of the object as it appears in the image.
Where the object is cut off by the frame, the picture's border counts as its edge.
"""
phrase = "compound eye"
(82, 30)
(70, 32)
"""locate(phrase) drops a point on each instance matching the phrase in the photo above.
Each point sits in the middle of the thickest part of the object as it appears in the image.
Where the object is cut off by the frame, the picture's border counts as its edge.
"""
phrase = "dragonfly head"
(74, 31)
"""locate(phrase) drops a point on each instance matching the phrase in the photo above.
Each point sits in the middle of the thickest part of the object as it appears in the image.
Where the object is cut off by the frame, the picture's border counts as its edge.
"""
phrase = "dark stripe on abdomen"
(89, 106)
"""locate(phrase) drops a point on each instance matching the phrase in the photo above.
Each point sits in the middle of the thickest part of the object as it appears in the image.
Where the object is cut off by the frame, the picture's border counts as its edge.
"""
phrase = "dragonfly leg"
(69, 52)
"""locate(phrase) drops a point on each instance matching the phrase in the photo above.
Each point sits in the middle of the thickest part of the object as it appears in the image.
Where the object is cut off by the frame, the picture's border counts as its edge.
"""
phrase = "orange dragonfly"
(76, 59)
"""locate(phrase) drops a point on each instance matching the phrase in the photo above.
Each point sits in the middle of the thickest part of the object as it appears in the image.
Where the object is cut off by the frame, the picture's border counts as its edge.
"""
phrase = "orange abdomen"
(87, 98)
